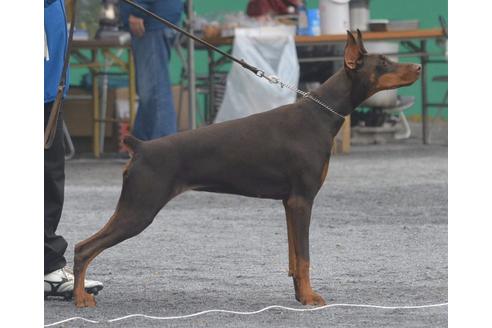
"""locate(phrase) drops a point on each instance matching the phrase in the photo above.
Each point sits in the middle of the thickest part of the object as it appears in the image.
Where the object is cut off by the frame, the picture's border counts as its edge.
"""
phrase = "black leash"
(50, 131)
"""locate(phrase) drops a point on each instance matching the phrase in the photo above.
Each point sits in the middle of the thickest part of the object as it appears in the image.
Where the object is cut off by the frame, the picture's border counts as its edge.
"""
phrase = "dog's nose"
(418, 67)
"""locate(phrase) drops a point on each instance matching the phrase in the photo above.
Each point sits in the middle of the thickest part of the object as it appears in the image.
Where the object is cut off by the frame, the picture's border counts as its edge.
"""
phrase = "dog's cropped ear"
(352, 52)
(360, 43)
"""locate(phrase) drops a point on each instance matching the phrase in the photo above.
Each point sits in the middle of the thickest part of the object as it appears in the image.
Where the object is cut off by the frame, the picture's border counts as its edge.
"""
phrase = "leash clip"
(272, 79)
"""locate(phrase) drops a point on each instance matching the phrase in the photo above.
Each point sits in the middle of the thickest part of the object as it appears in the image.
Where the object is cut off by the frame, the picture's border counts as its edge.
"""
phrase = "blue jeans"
(155, 116)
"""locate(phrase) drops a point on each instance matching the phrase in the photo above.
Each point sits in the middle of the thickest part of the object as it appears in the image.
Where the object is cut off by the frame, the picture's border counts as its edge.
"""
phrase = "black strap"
(50, 131)
(241, 62)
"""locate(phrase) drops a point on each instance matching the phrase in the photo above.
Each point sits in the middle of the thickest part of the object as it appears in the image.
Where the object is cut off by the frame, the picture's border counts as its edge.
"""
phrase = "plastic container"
(359, 15)
(334, 16)
(313, 21)
(385, 98)
(302, 24)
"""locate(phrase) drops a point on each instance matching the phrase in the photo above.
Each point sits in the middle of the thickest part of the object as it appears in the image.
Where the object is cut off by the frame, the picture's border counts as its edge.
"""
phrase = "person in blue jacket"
(151, 45)
(58, 280)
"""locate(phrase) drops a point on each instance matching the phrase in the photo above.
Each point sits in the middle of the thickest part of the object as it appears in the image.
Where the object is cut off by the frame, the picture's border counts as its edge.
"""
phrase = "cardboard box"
(78, 112)
(182, 108)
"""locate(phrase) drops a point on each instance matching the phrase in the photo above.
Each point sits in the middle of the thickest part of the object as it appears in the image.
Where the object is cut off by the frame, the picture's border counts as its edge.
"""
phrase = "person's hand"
(136, 26)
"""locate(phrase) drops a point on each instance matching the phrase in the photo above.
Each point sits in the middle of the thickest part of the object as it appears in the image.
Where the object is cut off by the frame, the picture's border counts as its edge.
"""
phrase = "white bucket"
(359, 15)
(385, 98)
(334, 16)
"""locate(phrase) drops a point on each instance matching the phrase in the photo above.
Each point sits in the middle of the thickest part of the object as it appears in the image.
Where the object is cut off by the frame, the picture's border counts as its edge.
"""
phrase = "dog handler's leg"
(300, 208)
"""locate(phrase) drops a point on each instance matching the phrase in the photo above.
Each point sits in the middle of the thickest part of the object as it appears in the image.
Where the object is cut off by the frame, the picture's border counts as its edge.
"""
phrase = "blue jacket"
(167, 9)
(56, 40)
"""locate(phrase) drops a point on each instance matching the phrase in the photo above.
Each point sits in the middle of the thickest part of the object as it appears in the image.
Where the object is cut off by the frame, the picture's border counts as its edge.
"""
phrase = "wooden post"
(346, 135)
(68, 9)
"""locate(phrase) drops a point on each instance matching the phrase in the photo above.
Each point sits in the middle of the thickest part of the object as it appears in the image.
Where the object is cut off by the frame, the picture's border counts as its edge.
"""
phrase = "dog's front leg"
(299, 209)
(292, 250)
(290, 238)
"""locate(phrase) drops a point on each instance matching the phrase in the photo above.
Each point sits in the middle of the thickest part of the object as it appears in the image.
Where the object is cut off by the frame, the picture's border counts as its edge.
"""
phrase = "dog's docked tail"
(133, 144)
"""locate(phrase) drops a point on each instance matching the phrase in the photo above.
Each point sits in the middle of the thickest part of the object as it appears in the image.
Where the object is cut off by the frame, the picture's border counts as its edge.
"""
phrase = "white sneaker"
(60, 283)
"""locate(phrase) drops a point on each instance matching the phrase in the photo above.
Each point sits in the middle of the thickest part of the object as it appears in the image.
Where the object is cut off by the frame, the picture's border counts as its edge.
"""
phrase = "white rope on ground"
(71, 319)
(280, 307)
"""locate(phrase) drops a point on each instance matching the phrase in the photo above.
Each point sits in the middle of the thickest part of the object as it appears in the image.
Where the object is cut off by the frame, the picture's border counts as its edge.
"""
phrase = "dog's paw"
(311, 299)
(85, 300)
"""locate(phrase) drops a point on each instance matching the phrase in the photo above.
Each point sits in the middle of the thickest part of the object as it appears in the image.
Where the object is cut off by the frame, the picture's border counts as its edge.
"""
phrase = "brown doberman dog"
(279, 154)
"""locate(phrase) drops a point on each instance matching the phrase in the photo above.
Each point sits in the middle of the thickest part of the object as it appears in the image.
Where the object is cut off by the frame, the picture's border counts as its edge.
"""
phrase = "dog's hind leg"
(141, 199)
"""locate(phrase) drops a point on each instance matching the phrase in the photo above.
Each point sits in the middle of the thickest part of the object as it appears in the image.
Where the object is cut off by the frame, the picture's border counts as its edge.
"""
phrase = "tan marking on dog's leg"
(324, 173)
(81, 297)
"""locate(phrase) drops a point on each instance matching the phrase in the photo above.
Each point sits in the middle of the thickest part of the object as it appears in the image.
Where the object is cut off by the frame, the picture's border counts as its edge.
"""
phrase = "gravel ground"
(378, 236)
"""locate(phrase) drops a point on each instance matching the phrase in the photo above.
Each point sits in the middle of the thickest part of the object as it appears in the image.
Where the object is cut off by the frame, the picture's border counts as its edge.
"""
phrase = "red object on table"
(123, 131)
(265, 7)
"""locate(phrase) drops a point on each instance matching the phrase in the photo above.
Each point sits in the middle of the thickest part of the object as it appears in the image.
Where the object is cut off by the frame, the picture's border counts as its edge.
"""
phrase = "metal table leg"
(423, 81)
(211, 84)
(95, 104)
(103, 102)
(191, 69)
(132, 94)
